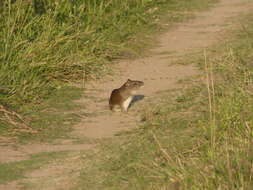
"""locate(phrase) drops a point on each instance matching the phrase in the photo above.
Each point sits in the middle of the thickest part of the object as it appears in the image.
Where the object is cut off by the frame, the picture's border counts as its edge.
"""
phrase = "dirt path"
(157, 73)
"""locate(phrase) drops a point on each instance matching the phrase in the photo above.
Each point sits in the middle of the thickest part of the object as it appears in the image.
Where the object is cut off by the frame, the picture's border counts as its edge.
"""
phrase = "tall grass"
(44, 41)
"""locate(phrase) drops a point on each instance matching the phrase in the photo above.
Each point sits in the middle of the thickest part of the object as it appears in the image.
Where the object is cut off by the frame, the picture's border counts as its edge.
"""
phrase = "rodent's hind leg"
(114, 108)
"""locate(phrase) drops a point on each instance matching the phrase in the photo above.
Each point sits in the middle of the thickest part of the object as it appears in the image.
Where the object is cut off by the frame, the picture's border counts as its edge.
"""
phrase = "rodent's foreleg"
(123, 108)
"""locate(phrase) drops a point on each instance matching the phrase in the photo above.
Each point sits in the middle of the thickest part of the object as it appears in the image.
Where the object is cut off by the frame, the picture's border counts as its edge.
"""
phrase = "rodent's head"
(133, 85)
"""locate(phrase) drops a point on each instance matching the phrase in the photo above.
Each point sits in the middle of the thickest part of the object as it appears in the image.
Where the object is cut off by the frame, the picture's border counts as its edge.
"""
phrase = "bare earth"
(155, 70)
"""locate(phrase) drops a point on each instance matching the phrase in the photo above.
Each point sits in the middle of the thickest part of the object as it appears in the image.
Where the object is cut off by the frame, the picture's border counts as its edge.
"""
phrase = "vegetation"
(50, 119)
(16, 170)
(200, 140)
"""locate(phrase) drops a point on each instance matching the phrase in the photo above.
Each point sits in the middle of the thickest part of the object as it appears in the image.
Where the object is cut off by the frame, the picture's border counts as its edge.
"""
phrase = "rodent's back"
(115, 97)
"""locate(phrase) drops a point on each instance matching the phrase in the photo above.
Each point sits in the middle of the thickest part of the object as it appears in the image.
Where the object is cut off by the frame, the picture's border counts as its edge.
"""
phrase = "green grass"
(16, 170)
(200, 140)
(52, 118)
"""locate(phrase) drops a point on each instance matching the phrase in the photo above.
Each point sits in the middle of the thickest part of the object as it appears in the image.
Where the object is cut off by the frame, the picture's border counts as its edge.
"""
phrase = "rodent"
(123, 96)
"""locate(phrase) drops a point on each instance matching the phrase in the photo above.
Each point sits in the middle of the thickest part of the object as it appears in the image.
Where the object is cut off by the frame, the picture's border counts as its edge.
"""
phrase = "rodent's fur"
(123, 96)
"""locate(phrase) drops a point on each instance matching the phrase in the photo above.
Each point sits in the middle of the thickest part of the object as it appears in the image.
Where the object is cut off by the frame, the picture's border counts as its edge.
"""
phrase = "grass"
(16, 170)
(52, 118)
(200, 140)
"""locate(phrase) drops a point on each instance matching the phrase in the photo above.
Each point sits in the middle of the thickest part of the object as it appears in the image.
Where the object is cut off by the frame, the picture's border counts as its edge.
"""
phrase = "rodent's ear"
(128, 82)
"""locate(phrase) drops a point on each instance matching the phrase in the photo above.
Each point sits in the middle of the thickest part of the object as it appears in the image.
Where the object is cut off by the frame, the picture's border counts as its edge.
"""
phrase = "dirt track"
(155, 70)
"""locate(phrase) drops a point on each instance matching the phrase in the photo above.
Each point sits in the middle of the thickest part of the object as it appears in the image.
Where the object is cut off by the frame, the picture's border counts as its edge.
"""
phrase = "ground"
(159, 74)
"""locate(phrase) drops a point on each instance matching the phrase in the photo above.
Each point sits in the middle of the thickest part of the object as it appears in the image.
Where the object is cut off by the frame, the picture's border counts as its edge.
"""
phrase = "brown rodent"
(123, 96)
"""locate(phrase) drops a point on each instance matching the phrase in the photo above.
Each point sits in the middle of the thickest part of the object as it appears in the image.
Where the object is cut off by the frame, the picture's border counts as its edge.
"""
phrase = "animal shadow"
(135, 99)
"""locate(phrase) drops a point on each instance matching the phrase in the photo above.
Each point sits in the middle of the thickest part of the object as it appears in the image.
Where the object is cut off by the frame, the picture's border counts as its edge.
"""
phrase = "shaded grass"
(16, 170)
(52, 118)
(200, 140)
